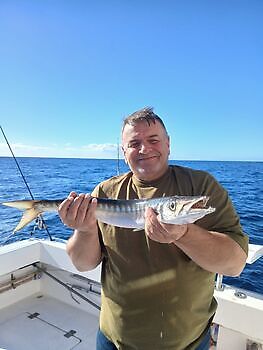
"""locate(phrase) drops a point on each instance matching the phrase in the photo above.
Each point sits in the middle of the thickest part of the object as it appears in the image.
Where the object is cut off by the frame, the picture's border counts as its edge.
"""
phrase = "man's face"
(146, 149)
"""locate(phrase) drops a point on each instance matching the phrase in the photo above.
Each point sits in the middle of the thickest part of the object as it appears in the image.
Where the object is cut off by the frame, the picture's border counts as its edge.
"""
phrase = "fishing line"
(17, 164)
(25, 182)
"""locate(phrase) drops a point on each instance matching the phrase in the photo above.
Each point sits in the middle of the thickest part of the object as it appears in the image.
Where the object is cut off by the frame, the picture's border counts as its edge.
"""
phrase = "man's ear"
(124, 154)
(168, 143)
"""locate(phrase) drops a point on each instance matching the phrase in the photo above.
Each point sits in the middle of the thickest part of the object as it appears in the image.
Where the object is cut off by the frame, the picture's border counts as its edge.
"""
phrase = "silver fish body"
(126, 213)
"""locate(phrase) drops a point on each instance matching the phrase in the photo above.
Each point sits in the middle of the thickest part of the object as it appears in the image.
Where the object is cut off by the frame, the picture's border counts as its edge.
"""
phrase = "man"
(157, 284)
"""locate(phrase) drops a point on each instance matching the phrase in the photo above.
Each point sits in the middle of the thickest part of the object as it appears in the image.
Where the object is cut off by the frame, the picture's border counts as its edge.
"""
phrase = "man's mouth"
(148, 158)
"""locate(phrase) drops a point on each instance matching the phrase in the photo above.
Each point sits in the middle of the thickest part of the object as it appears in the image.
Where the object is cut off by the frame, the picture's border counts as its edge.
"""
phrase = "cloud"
(94, 150)
(101, 147)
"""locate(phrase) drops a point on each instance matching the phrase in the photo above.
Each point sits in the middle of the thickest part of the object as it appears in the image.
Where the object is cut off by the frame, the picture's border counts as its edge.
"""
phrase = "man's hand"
(78, 212)
(160, 232)
(83, 247)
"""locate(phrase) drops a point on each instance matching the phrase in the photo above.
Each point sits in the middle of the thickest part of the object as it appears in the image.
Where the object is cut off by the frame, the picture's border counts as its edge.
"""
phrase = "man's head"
(143, 115)
(145, 144)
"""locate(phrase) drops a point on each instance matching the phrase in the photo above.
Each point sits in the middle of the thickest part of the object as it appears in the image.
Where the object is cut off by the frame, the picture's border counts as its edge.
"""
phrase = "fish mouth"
(188, 205)
(201, 203)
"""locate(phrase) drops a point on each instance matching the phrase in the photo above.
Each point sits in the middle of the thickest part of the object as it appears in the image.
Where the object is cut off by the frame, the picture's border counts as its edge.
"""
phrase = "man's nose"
(144, 147)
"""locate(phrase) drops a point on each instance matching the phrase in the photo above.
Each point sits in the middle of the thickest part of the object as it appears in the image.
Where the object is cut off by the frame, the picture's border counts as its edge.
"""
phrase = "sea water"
(53, 178)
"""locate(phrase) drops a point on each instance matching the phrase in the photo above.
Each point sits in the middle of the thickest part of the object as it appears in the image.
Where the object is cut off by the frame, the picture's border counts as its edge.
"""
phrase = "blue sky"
(71, 70)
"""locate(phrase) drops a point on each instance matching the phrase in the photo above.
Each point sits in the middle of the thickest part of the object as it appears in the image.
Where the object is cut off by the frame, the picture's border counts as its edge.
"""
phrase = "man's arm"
(78, 212)
(213, 251)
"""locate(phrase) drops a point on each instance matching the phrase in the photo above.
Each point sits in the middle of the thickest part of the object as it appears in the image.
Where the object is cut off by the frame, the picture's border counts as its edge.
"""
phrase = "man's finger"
(73, 208)
(83, 208)
(90, 216)
(64, 206)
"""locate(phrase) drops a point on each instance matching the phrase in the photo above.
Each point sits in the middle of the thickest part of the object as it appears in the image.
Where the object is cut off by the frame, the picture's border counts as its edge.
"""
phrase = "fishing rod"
(118, 157)
(43, 224)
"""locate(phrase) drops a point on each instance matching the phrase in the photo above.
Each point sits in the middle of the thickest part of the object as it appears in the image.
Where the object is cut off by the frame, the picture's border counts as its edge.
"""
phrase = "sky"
(70, 71)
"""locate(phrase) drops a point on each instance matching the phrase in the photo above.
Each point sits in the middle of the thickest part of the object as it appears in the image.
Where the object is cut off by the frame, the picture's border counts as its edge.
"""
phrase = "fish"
(125, 213)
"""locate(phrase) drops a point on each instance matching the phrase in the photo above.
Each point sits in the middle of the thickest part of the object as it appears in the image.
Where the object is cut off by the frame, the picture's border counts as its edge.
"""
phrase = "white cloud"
(105, 150)
(101, 147)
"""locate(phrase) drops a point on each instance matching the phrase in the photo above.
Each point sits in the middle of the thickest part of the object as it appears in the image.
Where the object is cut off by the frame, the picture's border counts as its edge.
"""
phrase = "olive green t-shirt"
(154, 297)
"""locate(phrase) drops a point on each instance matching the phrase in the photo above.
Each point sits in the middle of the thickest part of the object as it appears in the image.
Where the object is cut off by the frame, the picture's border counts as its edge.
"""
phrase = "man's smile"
(142, 159)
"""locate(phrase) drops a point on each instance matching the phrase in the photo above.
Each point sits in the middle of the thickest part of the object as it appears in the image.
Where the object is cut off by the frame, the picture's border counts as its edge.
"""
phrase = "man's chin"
(147, 173)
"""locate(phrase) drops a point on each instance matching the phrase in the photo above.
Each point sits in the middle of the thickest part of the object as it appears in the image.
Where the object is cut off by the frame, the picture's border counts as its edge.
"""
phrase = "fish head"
(183, 210)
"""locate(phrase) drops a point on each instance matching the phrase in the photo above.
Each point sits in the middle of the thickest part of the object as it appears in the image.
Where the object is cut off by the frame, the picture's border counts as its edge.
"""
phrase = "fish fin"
(28, 216)
(22, 205)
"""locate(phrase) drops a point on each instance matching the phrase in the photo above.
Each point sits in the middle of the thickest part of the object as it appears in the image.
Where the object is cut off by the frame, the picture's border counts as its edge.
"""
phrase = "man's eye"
(154, 141)
(133, 145)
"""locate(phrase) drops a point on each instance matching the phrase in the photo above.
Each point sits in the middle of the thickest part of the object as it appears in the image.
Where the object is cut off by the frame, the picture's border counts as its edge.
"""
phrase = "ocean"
(53, 178)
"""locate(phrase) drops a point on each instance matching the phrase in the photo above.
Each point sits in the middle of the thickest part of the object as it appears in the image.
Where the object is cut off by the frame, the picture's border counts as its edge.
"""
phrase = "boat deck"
(40, 309)
(41, 322)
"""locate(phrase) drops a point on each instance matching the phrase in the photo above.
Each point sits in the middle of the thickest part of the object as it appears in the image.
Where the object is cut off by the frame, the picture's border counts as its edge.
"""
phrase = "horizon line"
(121, 158)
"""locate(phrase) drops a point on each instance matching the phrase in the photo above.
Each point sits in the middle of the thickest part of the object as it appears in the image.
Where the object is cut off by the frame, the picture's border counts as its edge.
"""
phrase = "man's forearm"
(84, 250)
(213, 251)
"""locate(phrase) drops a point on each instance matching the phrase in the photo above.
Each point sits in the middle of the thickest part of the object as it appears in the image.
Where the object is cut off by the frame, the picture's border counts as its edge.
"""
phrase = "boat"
(45, 303)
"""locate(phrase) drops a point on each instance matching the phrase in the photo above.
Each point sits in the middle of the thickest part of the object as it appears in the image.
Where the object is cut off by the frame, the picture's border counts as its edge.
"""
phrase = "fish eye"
(172, 205)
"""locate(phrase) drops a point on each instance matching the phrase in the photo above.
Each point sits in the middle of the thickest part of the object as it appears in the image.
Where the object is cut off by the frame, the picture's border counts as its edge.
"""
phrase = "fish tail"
(29, 214)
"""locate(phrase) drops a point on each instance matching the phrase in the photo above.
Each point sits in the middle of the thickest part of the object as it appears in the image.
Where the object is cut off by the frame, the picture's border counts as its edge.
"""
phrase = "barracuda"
(125, 213)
